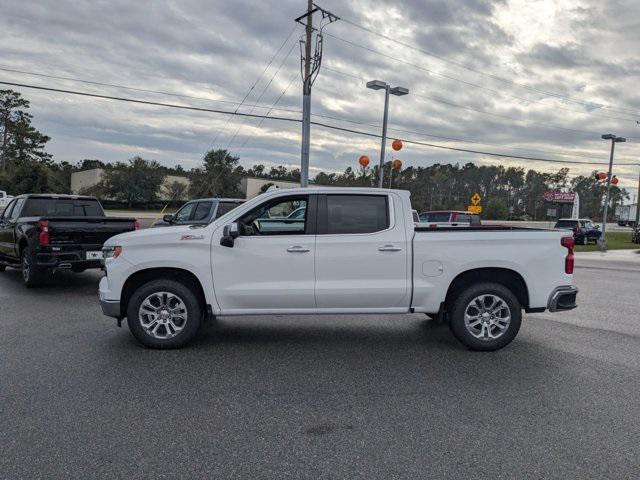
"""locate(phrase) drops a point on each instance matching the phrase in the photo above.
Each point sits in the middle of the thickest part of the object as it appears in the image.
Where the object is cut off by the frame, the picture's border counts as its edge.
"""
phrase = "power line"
(262, 93)
(136, 89)
(455, 79)
(282, 94)
(490, 75)
(296, 120)
(484, 112)
(253, 86)
(273, 107)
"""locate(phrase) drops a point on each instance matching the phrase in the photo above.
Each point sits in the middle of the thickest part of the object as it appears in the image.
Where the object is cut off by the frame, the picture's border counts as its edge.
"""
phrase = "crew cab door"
(361, 252)
(270, 267)
(8, 228)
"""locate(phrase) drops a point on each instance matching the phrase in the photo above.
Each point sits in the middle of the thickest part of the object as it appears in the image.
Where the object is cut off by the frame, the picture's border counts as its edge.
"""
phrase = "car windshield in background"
(51, 207)
(436, 217)
(566, 223)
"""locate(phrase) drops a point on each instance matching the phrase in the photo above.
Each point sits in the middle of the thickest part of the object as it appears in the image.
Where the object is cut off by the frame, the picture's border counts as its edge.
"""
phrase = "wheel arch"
(504, 276)
(146, 275)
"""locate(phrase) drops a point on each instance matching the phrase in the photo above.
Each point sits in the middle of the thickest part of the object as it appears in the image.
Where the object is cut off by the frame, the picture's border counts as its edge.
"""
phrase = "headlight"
(111, 252)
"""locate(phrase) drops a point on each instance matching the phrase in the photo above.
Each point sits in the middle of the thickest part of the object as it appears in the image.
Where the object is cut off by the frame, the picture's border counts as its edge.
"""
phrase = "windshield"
(57, 207)
(566, 223)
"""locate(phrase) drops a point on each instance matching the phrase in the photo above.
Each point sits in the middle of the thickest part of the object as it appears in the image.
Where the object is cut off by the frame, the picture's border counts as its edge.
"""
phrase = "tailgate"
(86, 230)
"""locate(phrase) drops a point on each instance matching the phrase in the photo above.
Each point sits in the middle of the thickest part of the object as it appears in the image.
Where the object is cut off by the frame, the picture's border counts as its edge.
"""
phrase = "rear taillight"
(43, 238)
(568, 243)
(433, 225)
(136, 224)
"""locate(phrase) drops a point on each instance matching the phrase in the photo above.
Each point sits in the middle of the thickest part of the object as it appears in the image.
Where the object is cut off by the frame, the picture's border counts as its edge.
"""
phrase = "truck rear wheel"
(32, 276)
(164, 314)
(486, 316)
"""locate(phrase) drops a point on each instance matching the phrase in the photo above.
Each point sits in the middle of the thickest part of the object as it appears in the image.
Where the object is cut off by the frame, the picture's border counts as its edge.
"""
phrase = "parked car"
(449, 218)
(43, 233)
(584, 230)
(199, 212)
(356, 252)
(4, 200)
(416, 218)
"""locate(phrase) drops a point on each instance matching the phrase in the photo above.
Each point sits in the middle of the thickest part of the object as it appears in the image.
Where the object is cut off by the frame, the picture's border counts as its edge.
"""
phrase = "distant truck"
(42, 233)
(626, 215)
(201, 211)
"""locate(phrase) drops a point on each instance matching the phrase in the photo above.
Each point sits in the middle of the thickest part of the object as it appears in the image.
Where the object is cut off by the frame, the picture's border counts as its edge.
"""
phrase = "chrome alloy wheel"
(487, 317)
(26, 268)
(163, 315)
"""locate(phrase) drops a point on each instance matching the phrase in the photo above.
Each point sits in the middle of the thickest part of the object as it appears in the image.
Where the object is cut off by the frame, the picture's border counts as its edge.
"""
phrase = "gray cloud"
(218, 49)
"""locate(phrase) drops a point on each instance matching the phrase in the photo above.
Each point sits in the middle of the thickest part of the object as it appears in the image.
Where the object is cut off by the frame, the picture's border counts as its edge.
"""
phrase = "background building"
(249, 186)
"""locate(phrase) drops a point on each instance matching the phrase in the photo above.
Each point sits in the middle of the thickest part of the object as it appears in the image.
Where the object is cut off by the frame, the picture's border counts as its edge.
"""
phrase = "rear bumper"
(563, 298)
(67, 258)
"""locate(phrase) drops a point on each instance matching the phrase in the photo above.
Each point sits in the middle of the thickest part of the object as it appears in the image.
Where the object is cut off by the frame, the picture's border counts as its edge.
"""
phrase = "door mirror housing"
(229, 234)
(167, 218)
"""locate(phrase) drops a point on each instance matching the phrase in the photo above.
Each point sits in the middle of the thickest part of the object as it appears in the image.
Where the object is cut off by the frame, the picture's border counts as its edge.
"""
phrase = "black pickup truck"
(44, 233)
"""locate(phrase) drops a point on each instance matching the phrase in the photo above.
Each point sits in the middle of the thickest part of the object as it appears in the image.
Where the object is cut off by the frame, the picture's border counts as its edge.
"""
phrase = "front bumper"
(563, 298)
(111, 308)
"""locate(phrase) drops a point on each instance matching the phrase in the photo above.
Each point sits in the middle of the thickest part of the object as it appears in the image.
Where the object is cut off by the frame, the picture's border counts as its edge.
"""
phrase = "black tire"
(463, 301)
(175, 339)
(3, 268)
(32, 276)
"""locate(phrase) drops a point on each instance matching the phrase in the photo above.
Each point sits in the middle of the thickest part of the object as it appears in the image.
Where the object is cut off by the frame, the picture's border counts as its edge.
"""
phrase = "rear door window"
(348, 214)
(202, 211)
(226, 207)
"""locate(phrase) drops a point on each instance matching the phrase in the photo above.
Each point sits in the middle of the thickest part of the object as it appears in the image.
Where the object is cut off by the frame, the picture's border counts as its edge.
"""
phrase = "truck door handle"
(297, 249)
(389, 248)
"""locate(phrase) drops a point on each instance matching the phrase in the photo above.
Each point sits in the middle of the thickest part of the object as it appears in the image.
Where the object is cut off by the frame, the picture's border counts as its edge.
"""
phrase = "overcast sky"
(544, 78)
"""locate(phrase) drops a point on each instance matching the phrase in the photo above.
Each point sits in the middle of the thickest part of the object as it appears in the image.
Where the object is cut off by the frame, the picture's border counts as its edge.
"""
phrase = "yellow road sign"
(475, 199)
(474, 209)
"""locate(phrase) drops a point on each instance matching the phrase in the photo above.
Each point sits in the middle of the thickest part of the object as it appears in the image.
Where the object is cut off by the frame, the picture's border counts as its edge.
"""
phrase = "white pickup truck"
(355, 251)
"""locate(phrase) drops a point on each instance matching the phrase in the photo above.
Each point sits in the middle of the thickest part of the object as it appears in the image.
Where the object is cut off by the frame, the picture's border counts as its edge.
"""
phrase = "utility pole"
(310, 59)
(306, 99)
(614, 140)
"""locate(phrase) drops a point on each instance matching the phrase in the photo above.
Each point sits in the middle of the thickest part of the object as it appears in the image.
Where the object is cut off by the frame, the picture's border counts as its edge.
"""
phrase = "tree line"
(507, 192)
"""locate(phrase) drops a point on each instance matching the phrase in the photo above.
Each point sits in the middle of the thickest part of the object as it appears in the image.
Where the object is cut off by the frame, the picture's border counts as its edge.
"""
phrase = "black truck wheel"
(164, 314)
(32, 276)
(486, 316)
(2, 268)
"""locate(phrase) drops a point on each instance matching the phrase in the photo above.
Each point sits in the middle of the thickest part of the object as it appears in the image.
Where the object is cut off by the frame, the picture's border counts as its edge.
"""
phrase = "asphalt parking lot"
(320, 397)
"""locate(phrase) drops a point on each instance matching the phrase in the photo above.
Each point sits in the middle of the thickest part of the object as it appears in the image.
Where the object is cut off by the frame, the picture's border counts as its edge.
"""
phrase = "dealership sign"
(559, 197)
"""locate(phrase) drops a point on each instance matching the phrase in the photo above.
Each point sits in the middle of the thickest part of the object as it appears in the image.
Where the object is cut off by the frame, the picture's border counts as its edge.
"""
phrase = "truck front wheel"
(486, 316)
(164, 314)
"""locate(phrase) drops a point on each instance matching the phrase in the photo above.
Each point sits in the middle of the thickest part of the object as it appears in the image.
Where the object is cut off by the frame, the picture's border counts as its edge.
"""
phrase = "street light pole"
(384, 134)
(398, 91)
(614, 140)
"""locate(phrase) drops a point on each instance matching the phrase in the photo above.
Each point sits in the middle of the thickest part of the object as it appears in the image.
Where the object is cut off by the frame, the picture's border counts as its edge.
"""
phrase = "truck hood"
(141, 237)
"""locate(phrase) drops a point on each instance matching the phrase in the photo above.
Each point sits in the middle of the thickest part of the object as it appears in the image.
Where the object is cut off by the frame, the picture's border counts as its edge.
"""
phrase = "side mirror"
(229, 234)
(167, 218)
(597, 227)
